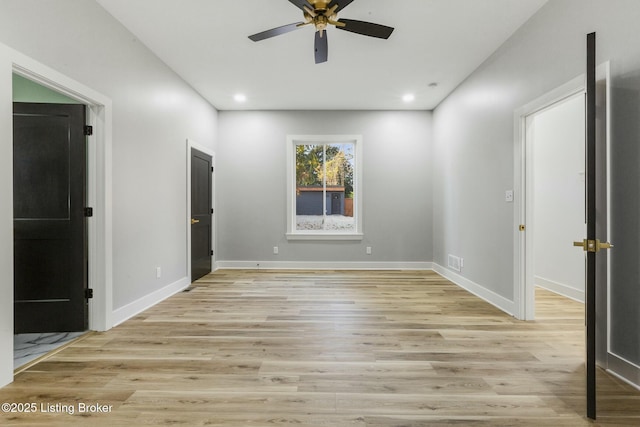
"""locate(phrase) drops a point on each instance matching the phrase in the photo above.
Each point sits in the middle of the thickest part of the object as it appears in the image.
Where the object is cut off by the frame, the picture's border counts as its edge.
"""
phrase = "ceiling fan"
(321, 14)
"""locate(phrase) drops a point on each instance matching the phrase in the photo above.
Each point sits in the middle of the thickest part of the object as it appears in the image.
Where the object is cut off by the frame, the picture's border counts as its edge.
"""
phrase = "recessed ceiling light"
(408, 97)
(239, 97)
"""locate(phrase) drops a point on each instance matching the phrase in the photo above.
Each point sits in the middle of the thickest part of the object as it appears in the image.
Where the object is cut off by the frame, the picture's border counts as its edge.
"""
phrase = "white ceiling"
(435, 41)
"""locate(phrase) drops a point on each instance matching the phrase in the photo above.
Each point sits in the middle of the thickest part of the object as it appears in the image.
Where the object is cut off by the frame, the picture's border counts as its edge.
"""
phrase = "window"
(324, 197)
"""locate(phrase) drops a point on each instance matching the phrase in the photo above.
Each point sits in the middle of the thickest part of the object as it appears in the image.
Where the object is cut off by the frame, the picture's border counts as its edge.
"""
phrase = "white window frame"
(292, 233)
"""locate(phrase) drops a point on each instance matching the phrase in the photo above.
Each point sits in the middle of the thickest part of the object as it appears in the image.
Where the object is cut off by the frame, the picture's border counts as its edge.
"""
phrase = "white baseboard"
(128, 311)
(560, 288)
(322, 265)
(478, 290)
(627, 371)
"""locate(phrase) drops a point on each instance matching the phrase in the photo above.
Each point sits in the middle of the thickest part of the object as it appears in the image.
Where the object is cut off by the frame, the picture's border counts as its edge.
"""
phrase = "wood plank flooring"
(330, 349)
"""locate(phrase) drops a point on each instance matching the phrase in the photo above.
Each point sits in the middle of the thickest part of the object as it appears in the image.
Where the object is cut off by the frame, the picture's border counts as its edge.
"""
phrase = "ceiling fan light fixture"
(322, 14)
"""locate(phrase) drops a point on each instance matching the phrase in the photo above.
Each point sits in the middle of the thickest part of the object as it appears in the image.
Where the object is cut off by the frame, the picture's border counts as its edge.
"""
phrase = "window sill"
(325, 236)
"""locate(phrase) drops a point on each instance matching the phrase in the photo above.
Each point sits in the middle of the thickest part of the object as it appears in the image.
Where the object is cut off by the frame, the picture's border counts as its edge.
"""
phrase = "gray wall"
(396, 185)
(154, 112)
(474, 147)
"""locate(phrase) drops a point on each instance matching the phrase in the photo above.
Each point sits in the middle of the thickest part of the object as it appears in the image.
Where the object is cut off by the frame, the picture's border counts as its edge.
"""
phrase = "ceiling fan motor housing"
(320, 5)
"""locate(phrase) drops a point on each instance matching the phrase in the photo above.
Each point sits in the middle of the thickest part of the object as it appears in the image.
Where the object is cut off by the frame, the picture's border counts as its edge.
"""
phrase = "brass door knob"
(593, 245)
(605, 245)
(194, 221)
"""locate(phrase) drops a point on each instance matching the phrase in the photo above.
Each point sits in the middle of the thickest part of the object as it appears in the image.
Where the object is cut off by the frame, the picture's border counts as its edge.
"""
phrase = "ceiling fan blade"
(321, 47)
(366, 28)
(341, 4)
(275, 31)
(301, 4)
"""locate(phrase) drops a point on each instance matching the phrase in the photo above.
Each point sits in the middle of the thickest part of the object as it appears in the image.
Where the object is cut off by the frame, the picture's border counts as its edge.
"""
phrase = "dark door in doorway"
(596, 285)
(335, 204)
(201, 211)
(49, 187)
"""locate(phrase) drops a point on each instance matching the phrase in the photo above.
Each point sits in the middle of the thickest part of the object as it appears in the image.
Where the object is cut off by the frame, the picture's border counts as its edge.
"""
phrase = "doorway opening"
(597, 195)
(98, 110)
(50, 224)
(549, 174)
(525, 229)
(201, 211)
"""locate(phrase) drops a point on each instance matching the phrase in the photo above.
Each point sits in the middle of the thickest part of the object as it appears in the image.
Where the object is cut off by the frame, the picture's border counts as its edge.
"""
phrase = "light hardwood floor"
(330, 349)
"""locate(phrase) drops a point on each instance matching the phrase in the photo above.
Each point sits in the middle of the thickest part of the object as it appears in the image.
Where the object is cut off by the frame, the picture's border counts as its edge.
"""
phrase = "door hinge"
(212, 170)
(88, 293)
(88, 130)
(211, 210)
(88, 212)
(211, 253)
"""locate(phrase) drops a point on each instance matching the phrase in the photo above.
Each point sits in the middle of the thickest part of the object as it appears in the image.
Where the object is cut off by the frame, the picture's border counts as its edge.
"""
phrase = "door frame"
(99, 182)
(524, 297)
(192, 144)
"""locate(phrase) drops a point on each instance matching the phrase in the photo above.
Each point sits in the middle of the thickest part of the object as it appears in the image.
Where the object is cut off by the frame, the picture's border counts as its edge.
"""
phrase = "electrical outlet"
(454, 262)
(368, 250)
(158, 272)
(275, 250)
(508, 196)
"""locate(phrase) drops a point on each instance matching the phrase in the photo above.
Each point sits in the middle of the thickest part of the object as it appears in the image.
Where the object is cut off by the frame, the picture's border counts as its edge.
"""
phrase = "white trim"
(51, 79)
(478, 290)
(191, 144)
(292, 233)
(138, 306)
(603, 71)
(560, 288)
(323, 265)
(627, 371)
(524, 289)
(99, 181)
(325, 236)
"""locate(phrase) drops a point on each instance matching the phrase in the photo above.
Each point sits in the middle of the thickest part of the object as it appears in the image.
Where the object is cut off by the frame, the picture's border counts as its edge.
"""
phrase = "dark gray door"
(49, 186)
(201, 211)
(591, 226)
(596, 183)
(335, 204)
